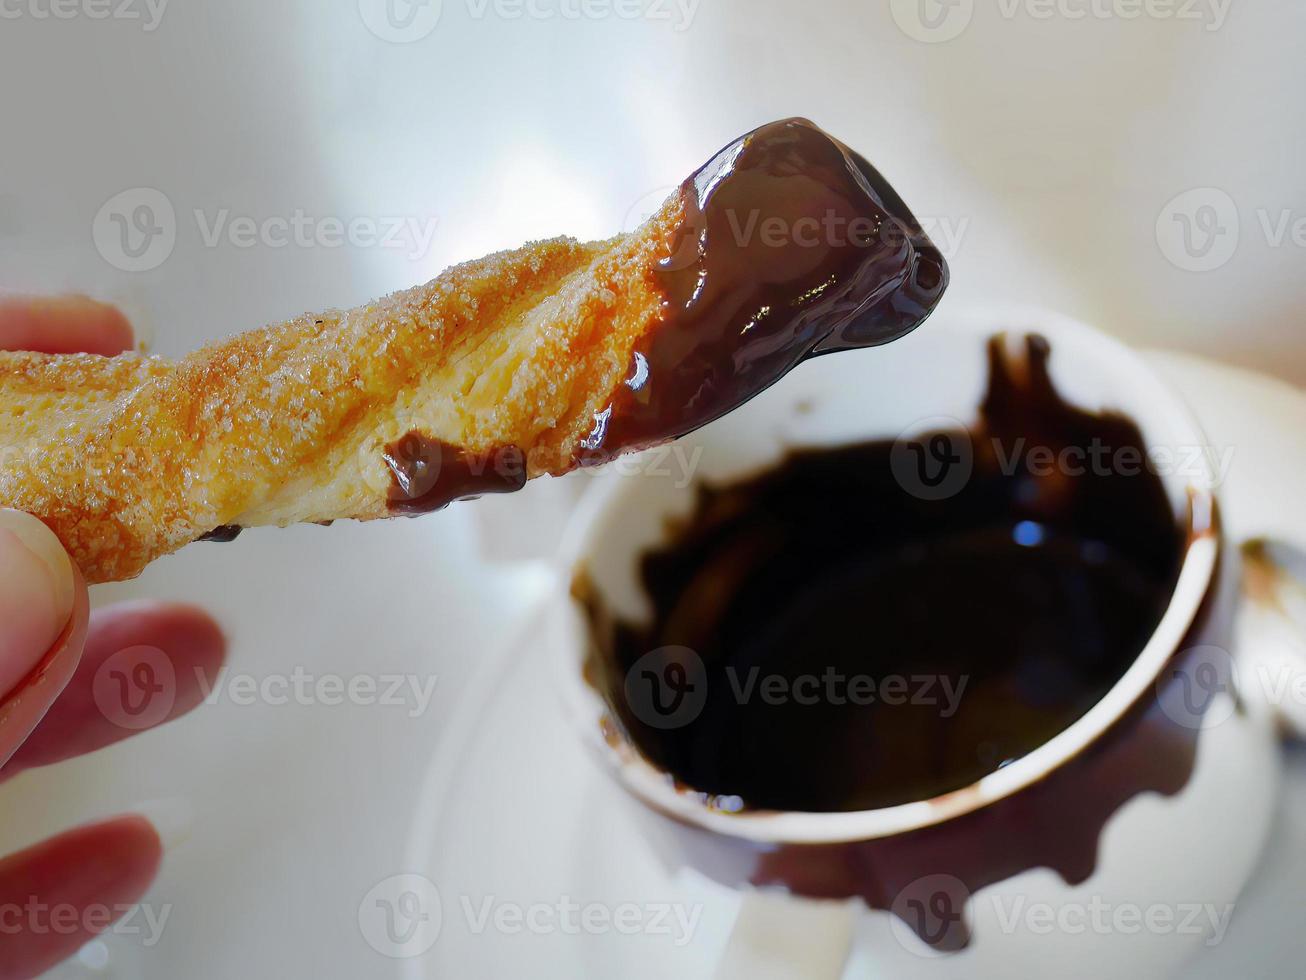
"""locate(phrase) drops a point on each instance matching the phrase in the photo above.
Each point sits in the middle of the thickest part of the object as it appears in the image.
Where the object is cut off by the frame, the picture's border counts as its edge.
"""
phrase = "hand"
(54, 658)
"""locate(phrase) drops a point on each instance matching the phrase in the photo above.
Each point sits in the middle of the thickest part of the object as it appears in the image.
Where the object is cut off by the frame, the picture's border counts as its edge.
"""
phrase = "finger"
(62, 325)
(58, 895)
(43, 615)
(144, 664)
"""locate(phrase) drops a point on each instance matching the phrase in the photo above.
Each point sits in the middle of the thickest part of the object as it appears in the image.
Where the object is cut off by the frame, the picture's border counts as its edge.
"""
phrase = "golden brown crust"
(130, 458)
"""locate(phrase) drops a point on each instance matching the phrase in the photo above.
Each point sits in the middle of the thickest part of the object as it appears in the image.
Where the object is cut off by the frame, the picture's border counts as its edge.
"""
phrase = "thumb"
(36, 595)
(43, 611)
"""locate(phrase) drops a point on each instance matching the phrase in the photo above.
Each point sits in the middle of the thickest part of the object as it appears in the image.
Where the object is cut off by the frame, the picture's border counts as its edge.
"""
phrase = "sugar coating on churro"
(132, 457)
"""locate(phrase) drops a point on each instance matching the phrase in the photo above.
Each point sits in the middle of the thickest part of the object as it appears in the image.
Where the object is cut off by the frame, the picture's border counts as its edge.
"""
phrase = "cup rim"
(657, 790)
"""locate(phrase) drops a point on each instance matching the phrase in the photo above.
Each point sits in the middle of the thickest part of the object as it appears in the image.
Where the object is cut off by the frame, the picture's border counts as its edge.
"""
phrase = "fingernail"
(173, 819)
(36, 594)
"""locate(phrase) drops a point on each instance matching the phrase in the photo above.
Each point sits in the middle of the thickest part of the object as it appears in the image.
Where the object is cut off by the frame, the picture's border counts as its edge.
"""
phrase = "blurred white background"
(1044, 148)
(1054, 157)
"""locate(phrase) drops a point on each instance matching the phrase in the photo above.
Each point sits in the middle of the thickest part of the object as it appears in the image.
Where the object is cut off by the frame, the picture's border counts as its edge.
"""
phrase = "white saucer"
(513, 809)
(514, 814)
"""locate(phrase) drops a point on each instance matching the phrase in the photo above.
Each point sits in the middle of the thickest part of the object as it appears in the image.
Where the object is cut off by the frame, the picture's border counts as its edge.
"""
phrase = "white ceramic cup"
(1122, 843)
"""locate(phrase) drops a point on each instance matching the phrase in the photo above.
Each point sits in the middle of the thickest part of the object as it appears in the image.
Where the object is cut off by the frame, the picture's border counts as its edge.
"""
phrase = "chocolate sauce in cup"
(864, 645)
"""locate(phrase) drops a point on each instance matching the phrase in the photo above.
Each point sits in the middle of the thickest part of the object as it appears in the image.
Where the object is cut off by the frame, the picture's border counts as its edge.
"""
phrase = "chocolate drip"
(429, 474)
(223, 534)
(791, 245)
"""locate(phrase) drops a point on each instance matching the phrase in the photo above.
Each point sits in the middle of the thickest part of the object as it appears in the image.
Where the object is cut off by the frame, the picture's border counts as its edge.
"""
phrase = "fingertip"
(100, 869)
(112, 331)
(120, 855)
(171, 820)
(134, 834)
(67, 324)
(180, 628)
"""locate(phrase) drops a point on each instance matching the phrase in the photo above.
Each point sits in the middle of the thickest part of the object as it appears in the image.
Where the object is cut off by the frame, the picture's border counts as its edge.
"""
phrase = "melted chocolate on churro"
(792, 245)
(224, 534)
(430, 475)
